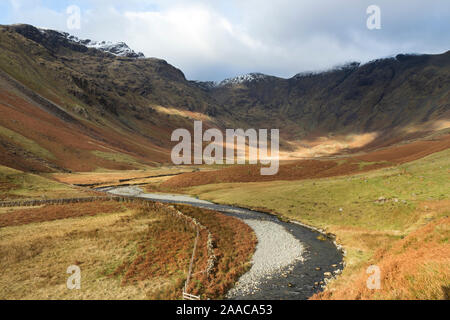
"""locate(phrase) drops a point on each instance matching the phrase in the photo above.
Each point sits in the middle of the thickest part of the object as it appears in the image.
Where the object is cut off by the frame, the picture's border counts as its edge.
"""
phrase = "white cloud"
(217, 39)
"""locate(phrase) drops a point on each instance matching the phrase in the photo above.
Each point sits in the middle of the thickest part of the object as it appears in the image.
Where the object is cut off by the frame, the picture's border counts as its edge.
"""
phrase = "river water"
(289, 260)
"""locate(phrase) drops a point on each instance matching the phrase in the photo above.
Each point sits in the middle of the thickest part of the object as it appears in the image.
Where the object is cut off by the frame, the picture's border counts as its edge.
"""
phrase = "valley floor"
(396, 218)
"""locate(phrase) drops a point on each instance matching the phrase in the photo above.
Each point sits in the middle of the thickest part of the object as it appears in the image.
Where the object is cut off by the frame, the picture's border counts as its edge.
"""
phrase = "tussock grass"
(115, 176)
(15, 184)
(35, 257)
(125, 251)
(25, 216)
(416, 267)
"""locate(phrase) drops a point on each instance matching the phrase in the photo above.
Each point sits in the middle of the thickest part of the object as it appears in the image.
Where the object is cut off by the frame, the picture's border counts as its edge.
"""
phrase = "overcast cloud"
(213, 40)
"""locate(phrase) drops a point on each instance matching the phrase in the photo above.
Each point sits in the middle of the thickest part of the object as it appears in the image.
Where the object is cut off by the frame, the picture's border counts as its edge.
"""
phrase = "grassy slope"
(124, 250)
(116, 176)
(416, 193)
(24, 124)
(31, 138)
(15, 184)
(37, 255)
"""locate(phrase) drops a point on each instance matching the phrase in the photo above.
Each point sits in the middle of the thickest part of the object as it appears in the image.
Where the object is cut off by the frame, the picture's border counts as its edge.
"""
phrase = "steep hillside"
(97, 78)
(381, 96)
(36, 135)
(86, 108)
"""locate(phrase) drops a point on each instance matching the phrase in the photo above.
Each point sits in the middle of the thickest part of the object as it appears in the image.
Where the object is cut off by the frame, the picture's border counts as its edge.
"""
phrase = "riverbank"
(290, 261)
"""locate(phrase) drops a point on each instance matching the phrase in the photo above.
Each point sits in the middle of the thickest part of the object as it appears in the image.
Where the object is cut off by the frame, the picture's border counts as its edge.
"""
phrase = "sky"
(218, 39)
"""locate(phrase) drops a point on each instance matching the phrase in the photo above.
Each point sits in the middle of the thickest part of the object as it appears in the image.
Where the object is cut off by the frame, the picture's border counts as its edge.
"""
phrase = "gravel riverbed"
(275, 252)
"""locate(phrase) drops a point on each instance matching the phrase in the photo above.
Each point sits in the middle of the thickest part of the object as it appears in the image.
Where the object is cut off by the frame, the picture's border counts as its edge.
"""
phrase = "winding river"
(290, 261)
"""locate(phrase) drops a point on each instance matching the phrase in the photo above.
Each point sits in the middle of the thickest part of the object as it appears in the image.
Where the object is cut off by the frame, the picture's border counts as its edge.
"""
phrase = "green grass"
(364, 164)
(349, 200)
(347, 206)
(16, 184)
(26, 143)
(119, 157)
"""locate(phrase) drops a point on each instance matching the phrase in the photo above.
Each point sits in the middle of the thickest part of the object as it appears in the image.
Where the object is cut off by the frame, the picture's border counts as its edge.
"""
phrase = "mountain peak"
(246, 78)
(120, 49)
(53, 38)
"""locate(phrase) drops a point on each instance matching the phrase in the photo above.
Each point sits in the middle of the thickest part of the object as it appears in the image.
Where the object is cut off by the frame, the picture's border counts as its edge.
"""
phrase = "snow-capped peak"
(250, 77)
(119, 49)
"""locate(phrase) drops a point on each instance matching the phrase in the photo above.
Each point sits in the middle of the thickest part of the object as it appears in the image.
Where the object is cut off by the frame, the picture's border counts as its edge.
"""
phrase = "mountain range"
(68, 104)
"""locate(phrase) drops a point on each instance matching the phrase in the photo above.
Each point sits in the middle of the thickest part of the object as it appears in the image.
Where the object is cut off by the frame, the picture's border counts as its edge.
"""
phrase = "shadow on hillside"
(446, 290)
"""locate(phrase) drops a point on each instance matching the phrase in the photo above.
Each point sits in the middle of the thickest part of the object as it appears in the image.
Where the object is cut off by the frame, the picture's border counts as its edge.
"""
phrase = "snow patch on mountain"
(246, 78)
(343, 67)
(119, 49)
